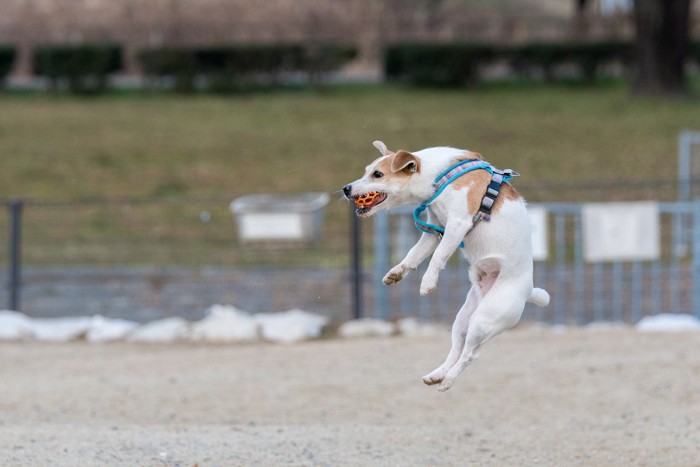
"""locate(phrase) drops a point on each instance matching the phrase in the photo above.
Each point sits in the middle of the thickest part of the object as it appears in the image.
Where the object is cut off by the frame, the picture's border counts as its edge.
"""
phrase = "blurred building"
(138, 24)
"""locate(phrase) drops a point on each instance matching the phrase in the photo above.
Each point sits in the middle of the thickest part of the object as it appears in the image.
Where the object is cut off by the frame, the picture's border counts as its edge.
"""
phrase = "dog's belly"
(505, 239)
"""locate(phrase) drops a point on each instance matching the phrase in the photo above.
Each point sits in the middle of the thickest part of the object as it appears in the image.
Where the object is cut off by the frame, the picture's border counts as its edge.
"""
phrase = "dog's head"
(385, 182)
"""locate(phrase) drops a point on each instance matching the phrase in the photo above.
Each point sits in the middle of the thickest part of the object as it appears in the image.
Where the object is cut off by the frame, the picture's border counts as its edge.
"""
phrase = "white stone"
(224, 324)
(668, 322)
(161, 331)
(60, 329)
(14, 325)
(290, 326)
(366, 327)
(109, 330)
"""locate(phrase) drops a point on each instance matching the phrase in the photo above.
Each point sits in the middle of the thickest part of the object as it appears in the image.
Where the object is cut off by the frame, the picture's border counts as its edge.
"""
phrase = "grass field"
(164, 160)
(292, 141)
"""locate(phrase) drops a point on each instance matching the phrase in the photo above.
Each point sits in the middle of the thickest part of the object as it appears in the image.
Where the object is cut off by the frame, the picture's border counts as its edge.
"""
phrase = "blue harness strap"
(498, 177)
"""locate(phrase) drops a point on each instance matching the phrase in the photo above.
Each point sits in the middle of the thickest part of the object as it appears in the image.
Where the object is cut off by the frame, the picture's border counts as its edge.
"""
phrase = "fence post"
(15, 254)
(356, 238)
(696, 258)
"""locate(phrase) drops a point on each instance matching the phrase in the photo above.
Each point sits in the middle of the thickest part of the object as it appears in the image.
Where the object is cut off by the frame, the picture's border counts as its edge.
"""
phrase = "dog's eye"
(377, 174)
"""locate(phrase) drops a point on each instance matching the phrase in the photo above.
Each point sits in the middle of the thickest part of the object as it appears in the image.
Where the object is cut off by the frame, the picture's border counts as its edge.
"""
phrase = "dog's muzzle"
(364, 202)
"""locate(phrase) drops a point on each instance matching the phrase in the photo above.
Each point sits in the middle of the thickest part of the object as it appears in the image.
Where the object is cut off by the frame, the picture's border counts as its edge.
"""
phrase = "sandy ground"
(536, 397)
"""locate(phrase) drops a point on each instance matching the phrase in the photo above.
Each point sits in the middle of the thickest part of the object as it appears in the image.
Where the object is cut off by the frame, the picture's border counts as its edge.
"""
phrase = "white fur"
(499, 253)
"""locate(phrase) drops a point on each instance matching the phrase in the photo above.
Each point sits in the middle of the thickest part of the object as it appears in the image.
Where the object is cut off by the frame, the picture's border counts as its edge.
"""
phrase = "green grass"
(199, 152)
(156, 145)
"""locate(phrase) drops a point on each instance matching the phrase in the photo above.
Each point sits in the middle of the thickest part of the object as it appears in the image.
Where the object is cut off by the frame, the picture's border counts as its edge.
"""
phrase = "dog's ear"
(404, 160)
(382, 147)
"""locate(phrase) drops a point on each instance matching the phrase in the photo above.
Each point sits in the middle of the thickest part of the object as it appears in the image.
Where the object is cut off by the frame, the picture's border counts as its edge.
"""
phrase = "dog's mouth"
(364, 203)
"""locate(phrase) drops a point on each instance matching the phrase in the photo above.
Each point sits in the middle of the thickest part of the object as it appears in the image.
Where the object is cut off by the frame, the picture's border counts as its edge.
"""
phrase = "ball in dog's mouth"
(365, 202)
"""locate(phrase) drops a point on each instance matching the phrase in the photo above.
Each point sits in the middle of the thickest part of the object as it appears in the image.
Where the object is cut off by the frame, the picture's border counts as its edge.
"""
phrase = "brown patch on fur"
(508, 192)
(467, 156)
(476, 182)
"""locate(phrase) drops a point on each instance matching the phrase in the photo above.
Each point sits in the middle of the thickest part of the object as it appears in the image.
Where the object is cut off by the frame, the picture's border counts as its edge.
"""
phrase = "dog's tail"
(539, 297)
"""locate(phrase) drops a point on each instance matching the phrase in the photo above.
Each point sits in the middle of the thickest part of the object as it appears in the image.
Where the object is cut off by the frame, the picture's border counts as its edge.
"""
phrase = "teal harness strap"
(498, 177)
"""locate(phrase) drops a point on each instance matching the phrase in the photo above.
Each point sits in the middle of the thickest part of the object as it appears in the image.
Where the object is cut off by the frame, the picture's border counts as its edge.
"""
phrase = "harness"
(498, 177)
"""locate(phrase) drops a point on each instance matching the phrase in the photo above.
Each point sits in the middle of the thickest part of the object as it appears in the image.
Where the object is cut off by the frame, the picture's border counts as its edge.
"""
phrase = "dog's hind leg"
(459, 334)
(496, 312)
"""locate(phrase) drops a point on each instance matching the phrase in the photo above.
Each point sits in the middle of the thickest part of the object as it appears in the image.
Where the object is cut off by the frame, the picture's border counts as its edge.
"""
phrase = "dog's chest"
(439, 214)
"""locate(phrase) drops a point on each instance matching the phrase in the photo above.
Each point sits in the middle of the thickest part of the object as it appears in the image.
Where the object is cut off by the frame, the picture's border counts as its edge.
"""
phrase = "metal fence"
(582, 291)
(145, 259)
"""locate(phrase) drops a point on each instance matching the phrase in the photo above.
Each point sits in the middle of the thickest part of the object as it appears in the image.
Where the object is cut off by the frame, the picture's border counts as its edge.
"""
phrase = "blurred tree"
(662, 45)
(662, 40)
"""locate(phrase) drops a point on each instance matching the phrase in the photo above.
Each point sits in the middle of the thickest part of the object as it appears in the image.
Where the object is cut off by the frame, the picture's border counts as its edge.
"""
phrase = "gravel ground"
(536, 397)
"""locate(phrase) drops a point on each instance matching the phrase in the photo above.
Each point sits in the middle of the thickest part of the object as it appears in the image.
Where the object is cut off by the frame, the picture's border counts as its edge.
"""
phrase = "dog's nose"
(347, 189)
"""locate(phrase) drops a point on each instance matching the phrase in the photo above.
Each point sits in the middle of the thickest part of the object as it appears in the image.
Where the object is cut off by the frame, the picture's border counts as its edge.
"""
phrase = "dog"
(493, 234)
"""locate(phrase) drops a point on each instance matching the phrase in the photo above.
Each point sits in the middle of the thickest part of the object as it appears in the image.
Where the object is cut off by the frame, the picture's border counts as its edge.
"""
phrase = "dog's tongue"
(367, 199)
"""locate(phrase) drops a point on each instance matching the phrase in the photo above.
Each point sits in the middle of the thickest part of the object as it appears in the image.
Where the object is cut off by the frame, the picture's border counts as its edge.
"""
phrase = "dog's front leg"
(421, 250)
(455, 231)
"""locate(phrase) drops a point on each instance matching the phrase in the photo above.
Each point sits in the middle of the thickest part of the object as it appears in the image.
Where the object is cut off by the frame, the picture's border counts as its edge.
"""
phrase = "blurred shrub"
(231, 67)
(443, 65)
(694, 51)
(458, 64)
(83, 68)
(590, 56)
(523, 59)
(587, 56)
(177, 64)
(7, 60)
(322, 59)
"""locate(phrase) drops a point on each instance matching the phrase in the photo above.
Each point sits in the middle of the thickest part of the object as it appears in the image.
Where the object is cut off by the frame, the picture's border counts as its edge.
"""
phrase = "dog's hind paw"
(434, 377)
(445, 385)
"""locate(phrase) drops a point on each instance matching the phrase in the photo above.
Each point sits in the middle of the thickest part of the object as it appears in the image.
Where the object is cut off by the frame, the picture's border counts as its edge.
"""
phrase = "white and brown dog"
(499, 252)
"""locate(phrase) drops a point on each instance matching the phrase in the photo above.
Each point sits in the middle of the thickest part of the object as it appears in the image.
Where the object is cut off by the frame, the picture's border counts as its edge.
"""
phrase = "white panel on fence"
(621, 231)
(540, 232)
(271, 226)
(280, 217)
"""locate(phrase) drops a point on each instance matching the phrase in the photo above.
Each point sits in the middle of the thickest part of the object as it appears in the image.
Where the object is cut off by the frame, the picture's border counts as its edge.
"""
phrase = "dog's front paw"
(429, 283)
(394, 275)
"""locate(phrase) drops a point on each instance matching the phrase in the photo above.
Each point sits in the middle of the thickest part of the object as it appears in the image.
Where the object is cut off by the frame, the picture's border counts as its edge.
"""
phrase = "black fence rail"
(14, 242)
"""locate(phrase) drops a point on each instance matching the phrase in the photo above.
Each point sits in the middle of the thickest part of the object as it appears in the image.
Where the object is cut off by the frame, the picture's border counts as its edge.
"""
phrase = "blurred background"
(128, 128)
